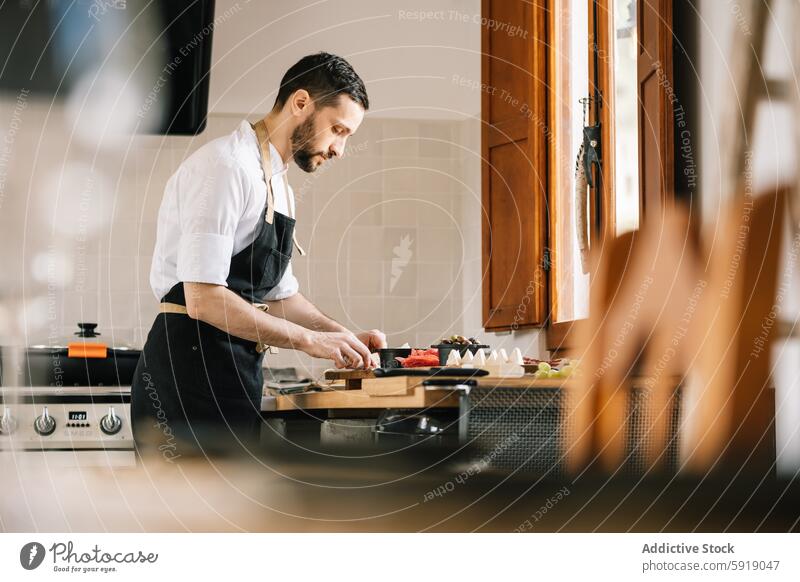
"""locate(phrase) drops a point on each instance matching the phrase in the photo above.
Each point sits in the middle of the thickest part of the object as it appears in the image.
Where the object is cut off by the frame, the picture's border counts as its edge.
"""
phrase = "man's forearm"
(301, 311)
(224, 309)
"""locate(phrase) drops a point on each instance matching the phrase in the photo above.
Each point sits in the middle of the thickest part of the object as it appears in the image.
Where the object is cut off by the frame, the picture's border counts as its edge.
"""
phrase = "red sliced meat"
(420, 359)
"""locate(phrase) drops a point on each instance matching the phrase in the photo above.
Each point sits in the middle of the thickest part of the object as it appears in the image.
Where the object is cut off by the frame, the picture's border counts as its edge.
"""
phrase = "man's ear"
(300, 102)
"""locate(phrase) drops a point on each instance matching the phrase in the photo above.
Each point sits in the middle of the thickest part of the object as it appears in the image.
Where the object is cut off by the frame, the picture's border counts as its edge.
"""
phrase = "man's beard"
(301, 146)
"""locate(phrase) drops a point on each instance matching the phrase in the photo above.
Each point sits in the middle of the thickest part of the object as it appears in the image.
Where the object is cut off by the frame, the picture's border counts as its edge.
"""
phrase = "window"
(570, 75)
(570, 103)
(585, 62)
(626, 144)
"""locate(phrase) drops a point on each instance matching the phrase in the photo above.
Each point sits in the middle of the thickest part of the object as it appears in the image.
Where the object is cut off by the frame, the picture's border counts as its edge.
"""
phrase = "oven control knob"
(8, 423)
(110, 423)
(45, 424)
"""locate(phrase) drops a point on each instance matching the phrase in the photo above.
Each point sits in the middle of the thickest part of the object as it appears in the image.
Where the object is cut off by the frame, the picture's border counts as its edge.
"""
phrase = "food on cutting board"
(459, 340)
(454, 358)
(562, 368)
(420, 359)
(459, 344)
(498, 363)
(555, 363)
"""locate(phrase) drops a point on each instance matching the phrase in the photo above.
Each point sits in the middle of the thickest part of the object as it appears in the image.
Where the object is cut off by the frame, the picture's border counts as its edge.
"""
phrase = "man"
(222, 272)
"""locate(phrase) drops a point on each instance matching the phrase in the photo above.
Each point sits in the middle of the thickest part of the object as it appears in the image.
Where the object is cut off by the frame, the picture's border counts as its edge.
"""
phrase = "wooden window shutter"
(514, 166)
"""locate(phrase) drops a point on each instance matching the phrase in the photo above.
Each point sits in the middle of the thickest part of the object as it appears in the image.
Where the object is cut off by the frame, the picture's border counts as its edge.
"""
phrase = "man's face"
(323, 134)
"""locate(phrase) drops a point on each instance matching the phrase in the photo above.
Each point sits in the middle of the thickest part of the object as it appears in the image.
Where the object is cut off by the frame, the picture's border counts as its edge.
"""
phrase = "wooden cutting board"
(352, 378)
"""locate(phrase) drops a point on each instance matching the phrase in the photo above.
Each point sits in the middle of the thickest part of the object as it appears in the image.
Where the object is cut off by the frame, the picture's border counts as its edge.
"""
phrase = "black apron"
(197, 389)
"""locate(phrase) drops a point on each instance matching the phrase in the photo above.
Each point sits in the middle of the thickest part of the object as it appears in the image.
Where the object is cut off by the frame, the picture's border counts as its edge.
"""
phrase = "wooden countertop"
(395, 392)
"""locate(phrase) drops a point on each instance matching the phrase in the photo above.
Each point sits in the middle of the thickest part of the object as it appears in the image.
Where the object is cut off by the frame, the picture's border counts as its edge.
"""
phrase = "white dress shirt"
(211, 210)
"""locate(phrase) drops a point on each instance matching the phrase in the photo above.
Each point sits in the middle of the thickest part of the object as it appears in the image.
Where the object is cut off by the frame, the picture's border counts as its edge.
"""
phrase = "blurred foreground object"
(698, 321)
(294, 489)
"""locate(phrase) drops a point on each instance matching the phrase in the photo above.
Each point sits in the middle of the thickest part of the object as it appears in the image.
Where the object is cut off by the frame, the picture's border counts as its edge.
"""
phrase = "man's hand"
(329, 339)
(344, 348)
(374, 339)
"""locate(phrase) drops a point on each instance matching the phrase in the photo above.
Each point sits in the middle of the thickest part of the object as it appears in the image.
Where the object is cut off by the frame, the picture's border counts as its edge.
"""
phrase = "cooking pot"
(84, 361)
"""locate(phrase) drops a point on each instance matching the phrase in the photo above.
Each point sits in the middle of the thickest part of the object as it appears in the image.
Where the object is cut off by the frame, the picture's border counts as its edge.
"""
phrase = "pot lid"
(87, 336)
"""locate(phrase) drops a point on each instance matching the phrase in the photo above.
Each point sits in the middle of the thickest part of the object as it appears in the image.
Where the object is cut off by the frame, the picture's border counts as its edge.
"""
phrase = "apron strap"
(266, 165)
(262, 135)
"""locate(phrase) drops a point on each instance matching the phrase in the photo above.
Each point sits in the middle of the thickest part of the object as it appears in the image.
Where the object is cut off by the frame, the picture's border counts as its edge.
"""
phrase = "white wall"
(407, 63)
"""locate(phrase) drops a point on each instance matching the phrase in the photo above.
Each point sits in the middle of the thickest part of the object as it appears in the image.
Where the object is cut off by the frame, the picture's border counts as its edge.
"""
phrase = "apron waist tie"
(167, 307)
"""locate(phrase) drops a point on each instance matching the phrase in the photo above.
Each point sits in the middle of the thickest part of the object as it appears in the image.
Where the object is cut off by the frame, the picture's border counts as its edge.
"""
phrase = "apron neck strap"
(266, 165)
(262, 136)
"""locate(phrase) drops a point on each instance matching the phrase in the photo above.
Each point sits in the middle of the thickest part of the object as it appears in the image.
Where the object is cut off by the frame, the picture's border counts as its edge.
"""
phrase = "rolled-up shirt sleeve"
(210, 206)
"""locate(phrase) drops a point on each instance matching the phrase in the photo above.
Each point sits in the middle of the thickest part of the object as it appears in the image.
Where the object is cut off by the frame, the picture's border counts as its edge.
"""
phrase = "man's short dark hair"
(325, 77)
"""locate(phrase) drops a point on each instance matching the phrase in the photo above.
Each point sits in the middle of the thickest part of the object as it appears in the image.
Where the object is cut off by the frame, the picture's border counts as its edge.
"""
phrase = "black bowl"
(445, 349)
(388, 356)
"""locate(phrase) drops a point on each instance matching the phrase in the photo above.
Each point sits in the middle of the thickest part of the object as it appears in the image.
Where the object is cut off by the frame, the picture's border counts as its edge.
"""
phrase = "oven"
(70, 426)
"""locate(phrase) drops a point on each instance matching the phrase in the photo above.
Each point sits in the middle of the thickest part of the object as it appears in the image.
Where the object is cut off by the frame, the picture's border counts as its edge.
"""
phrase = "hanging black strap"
(592, 133)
